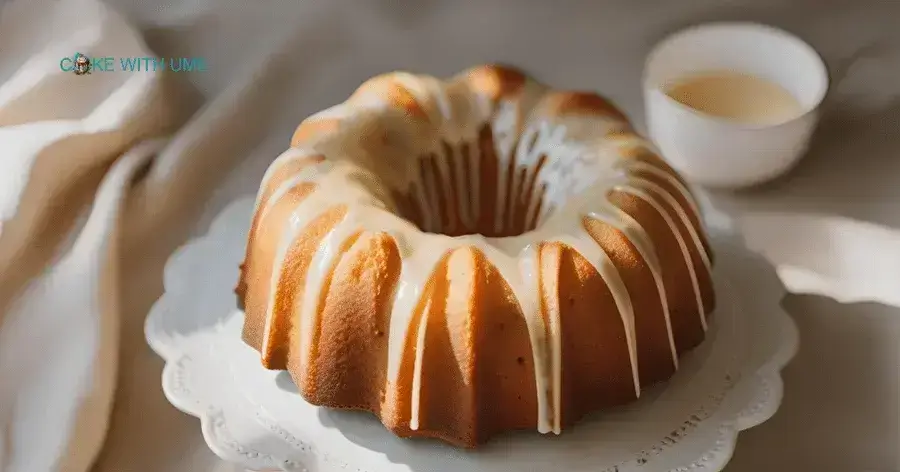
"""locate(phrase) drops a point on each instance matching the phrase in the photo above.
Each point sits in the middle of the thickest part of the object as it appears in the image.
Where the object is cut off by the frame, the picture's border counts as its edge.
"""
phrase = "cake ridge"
(545, 147)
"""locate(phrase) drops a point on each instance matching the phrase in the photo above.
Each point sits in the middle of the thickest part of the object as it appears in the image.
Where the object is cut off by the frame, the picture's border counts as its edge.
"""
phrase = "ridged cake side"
(468, 257)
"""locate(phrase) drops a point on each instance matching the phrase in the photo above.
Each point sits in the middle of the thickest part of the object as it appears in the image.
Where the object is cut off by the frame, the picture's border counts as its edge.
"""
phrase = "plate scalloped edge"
(769, 383)
(179, 381)
(222, 432)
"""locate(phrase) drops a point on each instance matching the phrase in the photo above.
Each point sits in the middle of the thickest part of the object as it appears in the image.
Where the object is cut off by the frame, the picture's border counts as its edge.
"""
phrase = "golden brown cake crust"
(472, 256)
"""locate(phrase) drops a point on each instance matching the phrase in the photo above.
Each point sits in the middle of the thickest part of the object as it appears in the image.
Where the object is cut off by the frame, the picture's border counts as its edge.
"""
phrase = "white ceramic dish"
(715, 152)
(252, 417)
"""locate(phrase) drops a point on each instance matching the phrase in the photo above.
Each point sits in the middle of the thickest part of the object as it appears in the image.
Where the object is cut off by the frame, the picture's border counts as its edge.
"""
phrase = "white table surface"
(840, 409)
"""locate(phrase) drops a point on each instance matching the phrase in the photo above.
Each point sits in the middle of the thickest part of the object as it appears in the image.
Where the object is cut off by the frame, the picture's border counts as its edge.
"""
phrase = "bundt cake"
(472, 256)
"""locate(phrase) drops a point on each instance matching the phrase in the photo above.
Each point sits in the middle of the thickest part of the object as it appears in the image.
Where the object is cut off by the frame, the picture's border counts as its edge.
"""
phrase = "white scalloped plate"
(253, 417)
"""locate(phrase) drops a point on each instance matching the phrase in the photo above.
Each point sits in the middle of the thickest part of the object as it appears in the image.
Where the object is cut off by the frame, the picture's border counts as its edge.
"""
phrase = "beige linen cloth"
(95, 183)
(77, 191)
(71, 147)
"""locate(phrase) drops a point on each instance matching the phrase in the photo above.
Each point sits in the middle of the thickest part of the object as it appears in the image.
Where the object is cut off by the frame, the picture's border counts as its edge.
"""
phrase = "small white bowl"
(721, 153)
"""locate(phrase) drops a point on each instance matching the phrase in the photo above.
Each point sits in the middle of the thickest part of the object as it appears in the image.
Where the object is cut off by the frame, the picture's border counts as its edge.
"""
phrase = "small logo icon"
(82, 64)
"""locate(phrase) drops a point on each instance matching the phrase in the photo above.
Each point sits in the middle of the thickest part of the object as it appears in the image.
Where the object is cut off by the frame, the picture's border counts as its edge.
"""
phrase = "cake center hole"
(475, 188)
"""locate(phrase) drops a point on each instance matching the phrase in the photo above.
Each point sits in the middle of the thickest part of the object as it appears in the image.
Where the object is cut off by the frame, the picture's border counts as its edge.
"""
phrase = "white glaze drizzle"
(637, 192)
(504, 138)
(641, 241)
(464, 208)
(325, 173)
(516, 258)
(679, 211)
(636, 165)
(292, 154)
(475, 181)
(417, 369)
